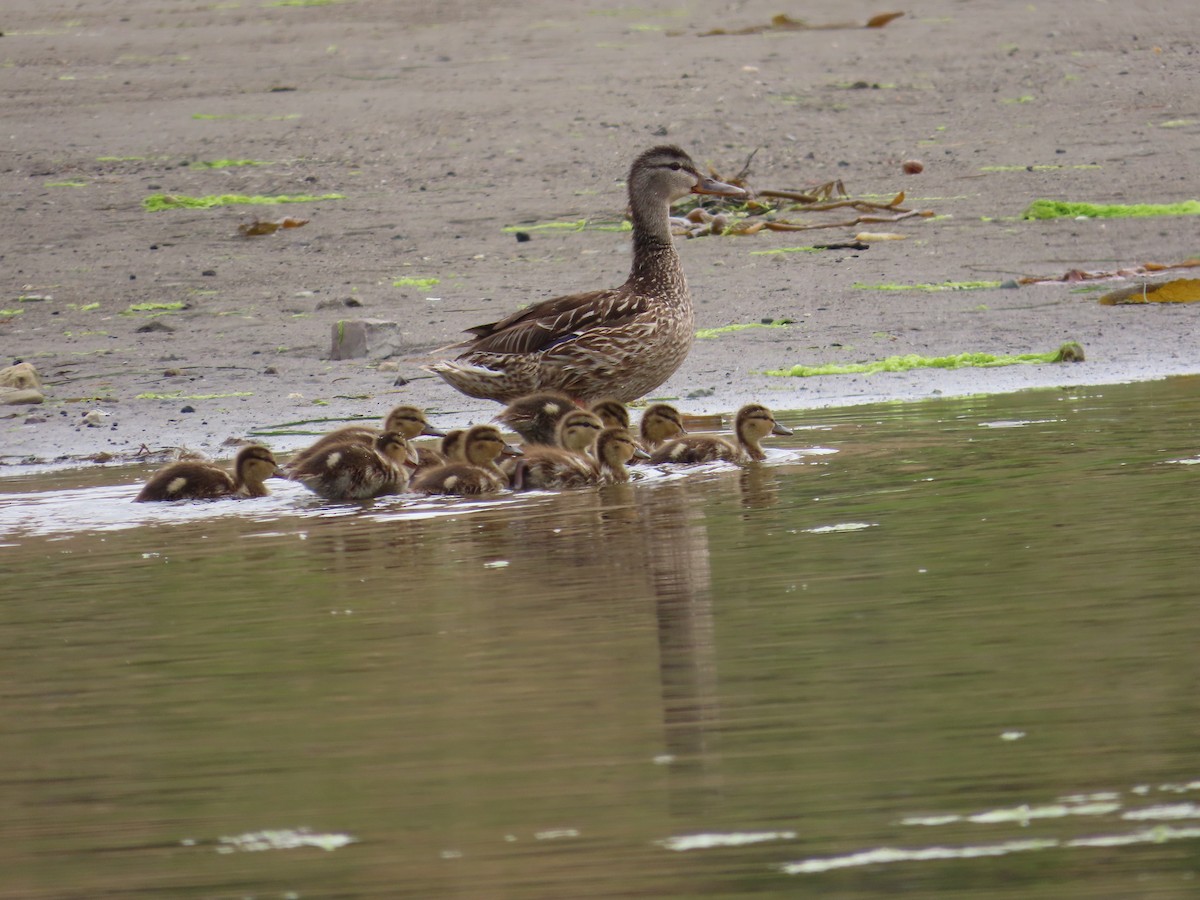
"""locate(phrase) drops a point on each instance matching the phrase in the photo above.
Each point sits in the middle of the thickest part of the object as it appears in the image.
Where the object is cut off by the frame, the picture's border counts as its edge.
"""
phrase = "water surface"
(954, 658)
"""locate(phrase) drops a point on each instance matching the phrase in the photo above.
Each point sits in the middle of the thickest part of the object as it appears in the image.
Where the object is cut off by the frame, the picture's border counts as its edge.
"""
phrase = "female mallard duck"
(479, 474)
(535, 416)
(659, 424)
(622, 342)
(408, 421)
(351, 470)
(611, 412)
(614, 448)
(753, 423)
(192, 480)
(565, 466)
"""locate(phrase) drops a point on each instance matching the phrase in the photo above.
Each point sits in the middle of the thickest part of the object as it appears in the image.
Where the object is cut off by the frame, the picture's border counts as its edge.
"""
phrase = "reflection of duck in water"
(351, 470)
(479, 474)
(191, 480)
(753, 423)
(408, 421)
(622, 342)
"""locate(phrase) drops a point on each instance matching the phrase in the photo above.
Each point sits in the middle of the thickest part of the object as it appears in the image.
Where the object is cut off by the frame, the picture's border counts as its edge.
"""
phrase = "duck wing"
(543, 325)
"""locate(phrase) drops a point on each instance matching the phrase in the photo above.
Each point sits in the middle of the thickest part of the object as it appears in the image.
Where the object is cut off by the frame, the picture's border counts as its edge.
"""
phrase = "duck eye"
(676, 166)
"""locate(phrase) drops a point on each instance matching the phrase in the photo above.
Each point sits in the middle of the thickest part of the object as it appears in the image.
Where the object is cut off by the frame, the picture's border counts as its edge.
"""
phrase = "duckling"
(408, 421)
(611, 412)
(351, 470)
(753, 422)
(564, 466)
(659, 424)
(614, 448)
(191, 480)
(535, 416)
(479, 474)
(449, 450)
(622, 342)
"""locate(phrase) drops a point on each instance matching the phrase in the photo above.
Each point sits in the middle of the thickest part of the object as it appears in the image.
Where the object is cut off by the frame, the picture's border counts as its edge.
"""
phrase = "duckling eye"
(675, 166)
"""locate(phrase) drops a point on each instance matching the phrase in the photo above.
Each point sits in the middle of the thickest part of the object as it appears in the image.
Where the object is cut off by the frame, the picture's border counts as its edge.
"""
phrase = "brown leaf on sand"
(1075, 276)
(784, 22)
(258, 226)
(1181, 290)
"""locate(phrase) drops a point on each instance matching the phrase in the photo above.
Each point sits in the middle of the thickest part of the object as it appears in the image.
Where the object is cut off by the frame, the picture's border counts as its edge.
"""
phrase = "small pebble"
(912, 167)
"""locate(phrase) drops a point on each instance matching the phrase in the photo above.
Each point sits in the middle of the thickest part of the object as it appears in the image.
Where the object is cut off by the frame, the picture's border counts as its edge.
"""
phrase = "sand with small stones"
(439, 125)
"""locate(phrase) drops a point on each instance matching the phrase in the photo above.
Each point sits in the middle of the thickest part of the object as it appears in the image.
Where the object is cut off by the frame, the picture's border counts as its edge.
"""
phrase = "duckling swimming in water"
(565, 466)
(479, 474)
(409, 421)
(190, 480)
(350, 470)
(535, 416)
(614, 448)
(753, 422)
(659, 424)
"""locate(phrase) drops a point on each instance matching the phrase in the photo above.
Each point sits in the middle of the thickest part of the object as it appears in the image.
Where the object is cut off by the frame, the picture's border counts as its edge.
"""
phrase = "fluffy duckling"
(351, 470)
(611, 412)
(192, 480)
(408, 421)
(449, 450)
(614, 448)
(535, 416)
(753, 423)
(565, 466)
(479, 474)
(659, 424)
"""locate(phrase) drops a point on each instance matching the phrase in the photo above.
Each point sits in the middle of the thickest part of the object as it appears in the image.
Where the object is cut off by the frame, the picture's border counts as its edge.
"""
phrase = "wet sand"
(441, 125)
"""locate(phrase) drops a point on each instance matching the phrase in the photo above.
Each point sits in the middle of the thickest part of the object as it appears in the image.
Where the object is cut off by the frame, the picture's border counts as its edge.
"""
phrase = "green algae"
(11, 312)
(578, 225)
(227, 163)
(70, 184)
(706, 333)
(180, 395)
(929, 287)
(780, 250)
(159, 202)
(422, 283)
(1070, 351)
(135, 308)
(1062, 209)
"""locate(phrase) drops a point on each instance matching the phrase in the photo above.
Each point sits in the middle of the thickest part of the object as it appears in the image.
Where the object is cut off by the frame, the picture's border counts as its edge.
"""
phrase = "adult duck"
(621, 342)
(752, 423)
(191, 480)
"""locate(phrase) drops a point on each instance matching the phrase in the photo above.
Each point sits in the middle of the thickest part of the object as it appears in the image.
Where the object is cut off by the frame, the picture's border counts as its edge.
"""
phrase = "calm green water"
(958, 658)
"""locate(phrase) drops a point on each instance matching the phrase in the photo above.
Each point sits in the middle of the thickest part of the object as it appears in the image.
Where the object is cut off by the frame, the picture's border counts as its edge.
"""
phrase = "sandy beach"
(424, 134)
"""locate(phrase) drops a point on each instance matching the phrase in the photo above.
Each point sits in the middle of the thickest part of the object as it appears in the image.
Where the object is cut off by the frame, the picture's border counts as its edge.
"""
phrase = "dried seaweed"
(784, 22)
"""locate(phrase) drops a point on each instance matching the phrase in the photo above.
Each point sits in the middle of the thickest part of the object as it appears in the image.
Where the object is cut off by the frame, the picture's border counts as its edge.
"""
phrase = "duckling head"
(667, 173)
(612, 413)
(483, 443)
(616, 446)
(254, 465)
(452, 445)
(393, 445)
(754, 422)
(410, 421)
(660, 423)
(578, 429)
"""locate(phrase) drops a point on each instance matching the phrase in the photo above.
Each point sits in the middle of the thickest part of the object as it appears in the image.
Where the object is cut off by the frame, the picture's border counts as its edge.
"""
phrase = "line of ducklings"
(564, 446)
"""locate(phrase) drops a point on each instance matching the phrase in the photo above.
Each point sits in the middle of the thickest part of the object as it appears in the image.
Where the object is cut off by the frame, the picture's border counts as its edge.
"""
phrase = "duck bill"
(718, 188)
(639, 453)
(432, 432)
(512, 450)
(781, 430)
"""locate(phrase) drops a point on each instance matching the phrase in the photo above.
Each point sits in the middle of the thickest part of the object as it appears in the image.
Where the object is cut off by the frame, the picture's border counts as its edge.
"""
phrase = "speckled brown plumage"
(350, 470)
(479, 474)
(535, 416)
(566, 465)
(752, 423)
(407, 420)
(191, 480)
(620, 343)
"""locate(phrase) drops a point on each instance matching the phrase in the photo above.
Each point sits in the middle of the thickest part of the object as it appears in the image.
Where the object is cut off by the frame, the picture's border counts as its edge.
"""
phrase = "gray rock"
(358, 338)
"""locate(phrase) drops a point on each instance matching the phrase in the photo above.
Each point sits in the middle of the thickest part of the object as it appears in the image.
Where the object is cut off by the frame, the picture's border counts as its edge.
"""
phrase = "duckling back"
(355, 471)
